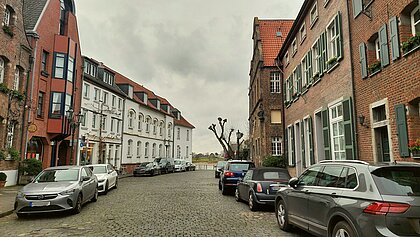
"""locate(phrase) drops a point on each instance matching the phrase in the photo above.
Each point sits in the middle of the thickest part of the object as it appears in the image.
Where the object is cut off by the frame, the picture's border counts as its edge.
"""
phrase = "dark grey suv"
(353, 198)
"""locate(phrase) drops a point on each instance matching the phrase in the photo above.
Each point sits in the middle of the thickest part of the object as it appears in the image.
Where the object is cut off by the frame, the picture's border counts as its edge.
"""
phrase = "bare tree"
(221, 137)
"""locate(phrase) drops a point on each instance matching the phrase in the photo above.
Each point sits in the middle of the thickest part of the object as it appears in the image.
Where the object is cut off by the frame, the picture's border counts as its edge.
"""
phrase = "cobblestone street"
(179, 204)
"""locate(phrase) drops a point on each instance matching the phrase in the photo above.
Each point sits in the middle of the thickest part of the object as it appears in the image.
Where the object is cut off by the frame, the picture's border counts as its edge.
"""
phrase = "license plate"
(39, 204)
(275, 188)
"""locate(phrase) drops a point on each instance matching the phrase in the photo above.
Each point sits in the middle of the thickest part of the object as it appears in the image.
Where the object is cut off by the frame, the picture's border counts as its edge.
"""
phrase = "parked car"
(180, 166)
(233, 172)
(218, 168)
(58, 188)
(165, 165)
(190, 166)
(353, 198)
(260, 185)
(147, 168)
(107, 177)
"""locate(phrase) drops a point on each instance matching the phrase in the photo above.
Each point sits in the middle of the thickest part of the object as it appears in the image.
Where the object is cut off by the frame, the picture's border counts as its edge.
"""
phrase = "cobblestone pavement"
(179, 204)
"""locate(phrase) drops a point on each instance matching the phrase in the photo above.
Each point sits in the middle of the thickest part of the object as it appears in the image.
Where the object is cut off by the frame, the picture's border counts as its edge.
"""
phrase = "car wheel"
(95, 196)
(152, 173)
(106, 187)
(237, 198)
(78, 207)
(281, 216)
(253, 206)
(343, 229)
(220, 185)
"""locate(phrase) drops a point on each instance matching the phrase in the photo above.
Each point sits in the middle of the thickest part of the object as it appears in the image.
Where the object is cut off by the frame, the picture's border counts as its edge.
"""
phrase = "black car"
(353, 198)
(260, 185)
(232, 174)
(190, 166)
(218, 168)
(165, 165)
(147, 168)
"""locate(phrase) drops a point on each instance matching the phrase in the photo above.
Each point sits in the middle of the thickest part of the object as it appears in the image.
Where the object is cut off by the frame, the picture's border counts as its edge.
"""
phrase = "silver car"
(55, 189)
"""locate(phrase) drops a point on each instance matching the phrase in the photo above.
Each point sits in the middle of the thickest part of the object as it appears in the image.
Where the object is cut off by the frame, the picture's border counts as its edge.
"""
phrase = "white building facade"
(182, 137)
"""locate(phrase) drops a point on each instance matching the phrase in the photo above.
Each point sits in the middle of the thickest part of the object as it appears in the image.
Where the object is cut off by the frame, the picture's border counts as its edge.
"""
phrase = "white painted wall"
(183, 142)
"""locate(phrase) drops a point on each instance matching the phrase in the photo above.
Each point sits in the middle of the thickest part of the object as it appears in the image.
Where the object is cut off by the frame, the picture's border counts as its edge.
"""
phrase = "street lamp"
(239, 135)
(74, 122)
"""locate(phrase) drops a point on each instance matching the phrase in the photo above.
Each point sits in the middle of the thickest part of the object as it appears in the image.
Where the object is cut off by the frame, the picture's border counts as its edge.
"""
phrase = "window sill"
(39, 118)
(84, 128)
(411, 51)
(313, 23)
(94, 129)
(374, 73)
(129, 156)
(302, 40)
(332, 67)
(326, 3)
(368, 4)
(86, 98)
(45, 74)
(294, 53)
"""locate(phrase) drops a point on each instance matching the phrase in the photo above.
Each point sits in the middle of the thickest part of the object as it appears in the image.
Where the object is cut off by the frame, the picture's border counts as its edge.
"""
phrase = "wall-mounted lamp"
(362, 121)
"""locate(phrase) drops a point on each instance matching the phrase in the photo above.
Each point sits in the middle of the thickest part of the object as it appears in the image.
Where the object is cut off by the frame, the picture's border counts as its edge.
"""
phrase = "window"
(337, 132)
(415, 21)
(96, 94)
(94, 120)
(160, 150)
(130, 119)
(154, 126)
(291, 145)
(307, 153)
(309, 177)
(44, 61)
(178, 152)
(105, 97)
(288, 86)
(302, 32)
(7, 16)
(147, 124)
(1, 70)
(188, 135)
(146, 150)
(67, 104)
(275, 82)
(334, 38)
(294, 47)
(118, 126)
(84, 116)
(112, 125)
(379, 113)
(169, 130)
(161, 125)
(275, 146)
(178, 133)
(90, 69)
(138, 149)
(305, 79)
(16, 80)
(114, 98)
(86, 88)
(56, 104)
(70, 69)
(314, 14)
(10, 133)
(276, 116)
(154, 150)
(129, 148)
(286, 58)
(315, 60)
(108, 78)
(119, 103)
(40, 105)
(295, 81)
(140, 122)
(186, 152)
(377, 49)
(103, 124)
(59, 65)
(329, 176)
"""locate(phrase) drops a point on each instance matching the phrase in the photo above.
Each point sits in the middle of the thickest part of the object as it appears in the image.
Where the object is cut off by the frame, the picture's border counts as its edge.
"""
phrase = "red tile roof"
(183, 122)
(271, 43)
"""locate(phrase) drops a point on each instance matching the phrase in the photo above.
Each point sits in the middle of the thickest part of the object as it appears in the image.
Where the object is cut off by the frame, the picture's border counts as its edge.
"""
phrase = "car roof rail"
(344, 161)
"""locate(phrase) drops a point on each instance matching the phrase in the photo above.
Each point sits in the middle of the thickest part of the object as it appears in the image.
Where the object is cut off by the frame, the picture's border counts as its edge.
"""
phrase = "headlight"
(68, 192)
(20, 195)
(101, 180)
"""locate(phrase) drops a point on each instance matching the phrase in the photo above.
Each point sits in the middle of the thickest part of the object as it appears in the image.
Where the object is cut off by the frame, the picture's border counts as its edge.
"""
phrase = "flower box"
(410, 44)
(414, 147)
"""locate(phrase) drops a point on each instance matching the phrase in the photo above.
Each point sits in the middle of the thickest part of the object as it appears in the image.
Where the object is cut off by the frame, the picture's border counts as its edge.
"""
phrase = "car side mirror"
(85, 178)
(293, 182)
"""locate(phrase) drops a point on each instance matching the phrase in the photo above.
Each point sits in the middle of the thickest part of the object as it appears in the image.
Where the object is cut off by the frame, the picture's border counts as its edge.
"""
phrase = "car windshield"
(240, 166)
(162, 162)
(145, 164)
(57, 175)
(98, 169)
(220, 164)
(398, 181)
(272, 175)
(177, 162)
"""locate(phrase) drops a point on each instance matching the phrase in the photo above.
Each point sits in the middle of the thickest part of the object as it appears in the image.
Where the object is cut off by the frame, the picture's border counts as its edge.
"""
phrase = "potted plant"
(414, 147)
(374, 67)
(3, 178)
(332, 61)
(14, 154)
(410, 44)
(28, 169)
(2, 155)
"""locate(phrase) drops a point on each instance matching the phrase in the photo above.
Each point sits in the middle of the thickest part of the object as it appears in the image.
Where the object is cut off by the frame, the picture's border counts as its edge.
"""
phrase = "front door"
(382, 144)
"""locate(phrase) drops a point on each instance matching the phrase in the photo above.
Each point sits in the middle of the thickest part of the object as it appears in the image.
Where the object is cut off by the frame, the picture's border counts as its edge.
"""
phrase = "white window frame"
(140, 122)
(96, 94)
(315, 59)
(138, 149)
(131, 115)
(289, 144)
(147, 122)
(2, 63)
(275, 146)
(332, 39)
(302, 32)
(94, 120)
(275, 82)
(287, 58)
(377, 49)
(86, 88)
(339, 120)
(129, 148)
(10, 134)
(306, 137)
(59, 65)
(7, 15)
(155, 126)
(146, 150)
(314, 17)
(294, 47)
(295, 81)
(154, 150)
(16, 79)
(414, 24)
(305, 81)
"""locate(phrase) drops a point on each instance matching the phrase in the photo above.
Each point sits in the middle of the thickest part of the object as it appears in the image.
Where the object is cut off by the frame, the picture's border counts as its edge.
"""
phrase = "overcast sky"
(194, 53)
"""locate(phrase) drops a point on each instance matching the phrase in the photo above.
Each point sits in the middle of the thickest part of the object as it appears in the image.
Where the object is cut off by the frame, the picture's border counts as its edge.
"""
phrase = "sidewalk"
(8, 194)
(7, 199)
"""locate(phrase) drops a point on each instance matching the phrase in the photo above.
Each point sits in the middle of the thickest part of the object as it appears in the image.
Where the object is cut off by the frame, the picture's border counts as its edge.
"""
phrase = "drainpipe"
(35, 36)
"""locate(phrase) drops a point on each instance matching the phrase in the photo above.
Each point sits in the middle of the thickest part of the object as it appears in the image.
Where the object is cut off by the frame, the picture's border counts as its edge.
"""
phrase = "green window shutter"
(292, 145)
(310, 71)
(339, 40)
(326, 133)
(320, 64)
(286, 147)
(363, 62)
(348, 129)
(402, 132)
(395, 42)
(307, 71)
(284, 92)
(383, 43)
(311, 142)
(302, 143)
(357, 7)
(324, 51)
(299, 78)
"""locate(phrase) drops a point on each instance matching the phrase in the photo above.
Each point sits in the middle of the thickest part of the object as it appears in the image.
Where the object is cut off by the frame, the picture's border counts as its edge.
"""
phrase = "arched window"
(130, 119)
(138, 149)
(169, 130)
(1, 70)
(17, 79)
(147, 124)
(7, 18)
(129, 147)
(160, 150)
(140, 122)
(146, 150)
(154, 126)
(154, 150)
(178, 152)
(161, 128)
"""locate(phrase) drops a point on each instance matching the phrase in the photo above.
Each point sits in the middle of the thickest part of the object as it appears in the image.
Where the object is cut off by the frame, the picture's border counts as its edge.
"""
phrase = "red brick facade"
(394, 85)
(15, 53)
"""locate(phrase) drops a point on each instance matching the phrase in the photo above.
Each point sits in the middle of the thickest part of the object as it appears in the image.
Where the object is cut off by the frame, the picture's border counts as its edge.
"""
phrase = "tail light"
(229, 174)
(383, 208)
(259, 188)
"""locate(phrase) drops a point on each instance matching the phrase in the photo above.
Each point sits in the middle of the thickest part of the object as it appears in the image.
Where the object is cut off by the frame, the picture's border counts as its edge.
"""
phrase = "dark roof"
(31, 12)
(100, 83)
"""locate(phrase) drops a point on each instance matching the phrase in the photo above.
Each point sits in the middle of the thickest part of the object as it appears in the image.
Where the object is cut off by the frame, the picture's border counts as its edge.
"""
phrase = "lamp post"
(239, 135)
(74, 121)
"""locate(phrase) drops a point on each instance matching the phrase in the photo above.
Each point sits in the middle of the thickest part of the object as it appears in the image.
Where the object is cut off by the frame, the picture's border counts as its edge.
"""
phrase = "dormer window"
(302, 32)
(108, 78)
(286, 58)
(90, 69)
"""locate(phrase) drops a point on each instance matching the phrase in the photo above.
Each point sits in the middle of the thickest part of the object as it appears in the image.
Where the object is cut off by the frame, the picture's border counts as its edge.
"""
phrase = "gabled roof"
(272, 35)
(31, 12)
(183, 122)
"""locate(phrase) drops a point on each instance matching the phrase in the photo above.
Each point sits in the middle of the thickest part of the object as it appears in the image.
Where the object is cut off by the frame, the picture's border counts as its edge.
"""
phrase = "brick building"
(265, 94)
(386, 77)
(316, 65)
(15, 55)
(56, 80)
